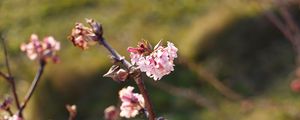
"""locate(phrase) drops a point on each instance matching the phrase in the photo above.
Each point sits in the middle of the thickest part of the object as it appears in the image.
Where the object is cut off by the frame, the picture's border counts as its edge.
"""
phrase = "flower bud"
(117, 74)
(6, 103)
(97, 28)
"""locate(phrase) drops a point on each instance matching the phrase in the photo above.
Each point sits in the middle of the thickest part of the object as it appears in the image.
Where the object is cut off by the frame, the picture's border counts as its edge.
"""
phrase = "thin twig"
(291, 24)
(187, 94)
(138, 80)
(286, 32)
(136, 77)
(10, 77)
(4, 76)
(8, 110)
(287, 17)
(33, 86)
(210, 78)
(288, 27)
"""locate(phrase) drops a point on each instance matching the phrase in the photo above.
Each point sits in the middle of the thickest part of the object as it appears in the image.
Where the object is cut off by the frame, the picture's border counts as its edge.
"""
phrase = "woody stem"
(137, 77)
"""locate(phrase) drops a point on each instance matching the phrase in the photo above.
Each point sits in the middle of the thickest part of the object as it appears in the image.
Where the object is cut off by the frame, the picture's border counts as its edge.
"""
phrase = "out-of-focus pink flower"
(15, 117)
(295, 85)
(157, 62)
(132, 103)
(111, 113)
(36, 49)
(72, 109)
(81, 35)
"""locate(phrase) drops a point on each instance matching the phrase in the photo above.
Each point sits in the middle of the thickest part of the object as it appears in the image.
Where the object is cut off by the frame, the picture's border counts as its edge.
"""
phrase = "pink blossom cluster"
(157, 62)
(81, 35)
(42, 50)
(132, 103)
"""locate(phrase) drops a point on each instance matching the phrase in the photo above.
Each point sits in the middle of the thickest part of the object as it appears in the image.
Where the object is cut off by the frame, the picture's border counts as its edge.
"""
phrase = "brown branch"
(8, 110)
(288, 26)
(210, 78)
(33, 86)
(136, 76)
(287, 17)
(286, 32)
(187, 94)
(10, 77)
(4, 76)
(138, 80)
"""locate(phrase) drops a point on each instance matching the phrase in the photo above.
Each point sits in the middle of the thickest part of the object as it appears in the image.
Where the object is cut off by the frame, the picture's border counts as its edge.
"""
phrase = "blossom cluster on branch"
(156, 62)
(45, 49)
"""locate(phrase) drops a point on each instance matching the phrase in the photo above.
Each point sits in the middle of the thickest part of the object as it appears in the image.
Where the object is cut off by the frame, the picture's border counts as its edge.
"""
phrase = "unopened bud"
(117, 74)
(97, 28)
(6, 103)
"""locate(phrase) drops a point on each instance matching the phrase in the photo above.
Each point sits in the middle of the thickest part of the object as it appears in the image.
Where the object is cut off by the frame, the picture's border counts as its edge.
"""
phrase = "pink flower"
(15, 117)
(111, 113)
(81, 34)
(41, 49)
(295, 85)
(132, 103)
(157, 62)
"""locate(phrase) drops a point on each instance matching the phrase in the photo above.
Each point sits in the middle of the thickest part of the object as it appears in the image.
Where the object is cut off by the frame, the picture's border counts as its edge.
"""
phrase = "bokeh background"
(227, 49)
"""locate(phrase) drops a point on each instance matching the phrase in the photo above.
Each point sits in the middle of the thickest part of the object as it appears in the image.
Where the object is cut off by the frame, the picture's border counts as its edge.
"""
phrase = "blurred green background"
(231, 39)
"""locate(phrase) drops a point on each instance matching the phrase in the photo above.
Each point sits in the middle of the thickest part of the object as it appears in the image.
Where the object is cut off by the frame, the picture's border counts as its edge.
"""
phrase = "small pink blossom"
(15, 117)
(132, 103)
(111, 113)
(41, 49)
(157, 62)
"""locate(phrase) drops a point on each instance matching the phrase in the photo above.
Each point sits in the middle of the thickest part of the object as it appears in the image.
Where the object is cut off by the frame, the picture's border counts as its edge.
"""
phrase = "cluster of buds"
(82, 35)
(156, 62)
(132, 103)
(41, 50)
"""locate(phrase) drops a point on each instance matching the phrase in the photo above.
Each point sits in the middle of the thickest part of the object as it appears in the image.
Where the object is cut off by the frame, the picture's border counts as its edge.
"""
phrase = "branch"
(287, 17)
(9, 111)
(287, 26)
(10, 77)
(136, 76)
(210, 78)
(286, 32)
(186, 93)
(4, 76)
(138, 80)
(33, 86)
